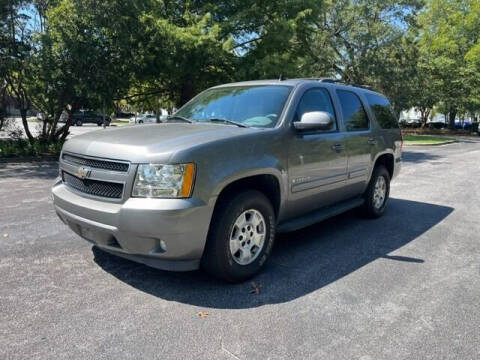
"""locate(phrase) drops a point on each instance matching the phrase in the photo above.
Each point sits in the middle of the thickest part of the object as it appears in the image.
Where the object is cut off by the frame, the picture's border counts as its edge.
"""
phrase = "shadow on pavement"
(418, 157)
(301, 262)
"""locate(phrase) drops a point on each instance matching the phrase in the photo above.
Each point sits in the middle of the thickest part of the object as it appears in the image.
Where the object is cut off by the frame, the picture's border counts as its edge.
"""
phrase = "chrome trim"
(97, 159)
(94, 197)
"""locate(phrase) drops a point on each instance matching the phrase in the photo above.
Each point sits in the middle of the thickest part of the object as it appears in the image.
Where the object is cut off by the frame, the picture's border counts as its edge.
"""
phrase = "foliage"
(21, 147)
(449, 48)
(63, 55)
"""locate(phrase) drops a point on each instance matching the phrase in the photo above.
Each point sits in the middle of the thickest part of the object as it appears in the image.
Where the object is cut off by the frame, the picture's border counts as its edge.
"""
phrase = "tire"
(140, 121)
(218, 259)
(79, 123)
(99, 123)
(371, 208)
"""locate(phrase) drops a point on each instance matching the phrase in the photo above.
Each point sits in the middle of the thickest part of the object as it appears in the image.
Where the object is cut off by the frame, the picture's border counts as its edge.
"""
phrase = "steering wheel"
(271, 116)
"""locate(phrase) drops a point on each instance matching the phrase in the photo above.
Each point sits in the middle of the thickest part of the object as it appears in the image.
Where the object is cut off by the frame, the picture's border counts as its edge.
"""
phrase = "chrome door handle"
(372, 141)
(338, 147)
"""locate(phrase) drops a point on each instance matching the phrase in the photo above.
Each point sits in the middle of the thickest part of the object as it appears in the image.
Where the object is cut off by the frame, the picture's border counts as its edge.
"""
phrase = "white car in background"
(144, 119)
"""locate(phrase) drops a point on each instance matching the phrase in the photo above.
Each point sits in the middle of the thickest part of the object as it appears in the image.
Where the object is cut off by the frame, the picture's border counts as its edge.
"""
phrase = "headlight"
(164, 181)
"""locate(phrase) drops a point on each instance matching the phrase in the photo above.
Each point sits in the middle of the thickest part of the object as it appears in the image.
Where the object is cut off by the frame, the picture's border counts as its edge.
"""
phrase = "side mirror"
(314, 120)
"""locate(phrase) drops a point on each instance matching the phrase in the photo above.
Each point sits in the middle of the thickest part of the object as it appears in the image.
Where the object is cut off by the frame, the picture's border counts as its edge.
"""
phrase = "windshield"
(258, 106)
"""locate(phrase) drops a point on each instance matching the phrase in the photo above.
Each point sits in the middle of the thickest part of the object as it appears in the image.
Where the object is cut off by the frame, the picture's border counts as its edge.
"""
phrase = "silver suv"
(237, 164)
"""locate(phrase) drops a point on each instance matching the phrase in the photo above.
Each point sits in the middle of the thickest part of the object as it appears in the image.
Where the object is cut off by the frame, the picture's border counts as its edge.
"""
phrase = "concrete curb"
(413, 143)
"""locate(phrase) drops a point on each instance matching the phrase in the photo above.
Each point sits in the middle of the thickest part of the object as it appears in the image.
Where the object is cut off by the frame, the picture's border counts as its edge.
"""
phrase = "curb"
(429, 144)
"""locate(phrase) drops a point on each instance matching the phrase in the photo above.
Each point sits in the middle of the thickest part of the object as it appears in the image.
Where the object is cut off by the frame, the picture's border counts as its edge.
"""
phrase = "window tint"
(317, 99)
(383, 111)
(354, 114)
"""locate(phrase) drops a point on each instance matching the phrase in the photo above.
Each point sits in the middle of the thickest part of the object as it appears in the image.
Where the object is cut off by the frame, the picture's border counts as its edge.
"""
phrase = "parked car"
(234, 166)
(123, 115)
(144, 119)
(90, 117)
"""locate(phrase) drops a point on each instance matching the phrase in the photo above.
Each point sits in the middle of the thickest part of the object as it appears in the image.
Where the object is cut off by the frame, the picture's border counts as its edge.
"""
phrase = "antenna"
(281, 78)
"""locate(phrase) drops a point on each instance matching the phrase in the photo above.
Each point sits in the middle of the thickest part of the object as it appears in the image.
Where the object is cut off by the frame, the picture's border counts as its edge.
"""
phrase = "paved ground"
(406, 286)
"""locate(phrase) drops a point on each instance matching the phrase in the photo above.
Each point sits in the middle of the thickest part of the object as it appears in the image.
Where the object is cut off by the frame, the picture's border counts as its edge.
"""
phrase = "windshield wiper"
(226, 121)
(178, 117)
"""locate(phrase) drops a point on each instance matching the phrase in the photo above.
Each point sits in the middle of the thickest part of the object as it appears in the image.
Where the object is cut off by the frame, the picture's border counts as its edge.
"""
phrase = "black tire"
(140, 121)
(368, 209)
(79, 123)
(100, 123)
(217, 259)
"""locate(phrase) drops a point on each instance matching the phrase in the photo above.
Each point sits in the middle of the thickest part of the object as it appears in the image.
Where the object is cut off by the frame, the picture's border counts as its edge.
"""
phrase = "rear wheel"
(241, 237)
(79, 123)
(377, 193)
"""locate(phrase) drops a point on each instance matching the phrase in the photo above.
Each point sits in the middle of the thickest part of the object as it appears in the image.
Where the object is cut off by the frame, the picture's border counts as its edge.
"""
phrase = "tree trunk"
(451, 117)
(424, 114)
(186, 92)
(52, 131)
(23, 114)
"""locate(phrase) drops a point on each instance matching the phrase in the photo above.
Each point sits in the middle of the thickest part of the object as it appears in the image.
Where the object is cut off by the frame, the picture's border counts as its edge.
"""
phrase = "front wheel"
(79, 123)
(377, 193)
(241, 237)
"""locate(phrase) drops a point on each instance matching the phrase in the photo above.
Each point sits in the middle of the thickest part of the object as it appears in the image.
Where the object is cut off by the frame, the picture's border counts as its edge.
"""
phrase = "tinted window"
(383, 111)
(317, 99)
(354, 114)
(258, 106)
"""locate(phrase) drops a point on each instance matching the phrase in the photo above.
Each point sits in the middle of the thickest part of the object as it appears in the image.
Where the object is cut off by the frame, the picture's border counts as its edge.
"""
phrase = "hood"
(154, 142)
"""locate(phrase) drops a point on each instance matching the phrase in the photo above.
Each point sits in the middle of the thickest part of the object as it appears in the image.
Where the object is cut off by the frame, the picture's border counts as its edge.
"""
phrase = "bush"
(22, 147)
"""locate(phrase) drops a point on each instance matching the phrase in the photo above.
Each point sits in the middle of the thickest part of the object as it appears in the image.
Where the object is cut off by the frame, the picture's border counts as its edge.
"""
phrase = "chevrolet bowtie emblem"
(83, 172)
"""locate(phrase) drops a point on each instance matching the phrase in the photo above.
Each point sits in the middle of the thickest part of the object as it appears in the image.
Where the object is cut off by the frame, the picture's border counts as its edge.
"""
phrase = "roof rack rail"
(339, 81)
(330, 80)
(367, 87)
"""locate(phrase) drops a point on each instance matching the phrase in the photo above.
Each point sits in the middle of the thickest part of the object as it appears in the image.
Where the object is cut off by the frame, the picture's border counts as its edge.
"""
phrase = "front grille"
(94, 187)
(97, 164)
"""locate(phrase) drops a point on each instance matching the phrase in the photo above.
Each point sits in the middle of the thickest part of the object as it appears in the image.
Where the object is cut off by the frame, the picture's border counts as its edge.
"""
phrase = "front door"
(317, 161)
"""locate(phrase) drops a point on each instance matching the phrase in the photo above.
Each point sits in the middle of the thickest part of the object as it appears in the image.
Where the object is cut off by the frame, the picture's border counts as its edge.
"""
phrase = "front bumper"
(168, 234)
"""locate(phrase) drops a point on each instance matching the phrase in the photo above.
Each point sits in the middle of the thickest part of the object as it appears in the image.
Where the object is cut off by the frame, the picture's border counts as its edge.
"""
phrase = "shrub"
(22, 147)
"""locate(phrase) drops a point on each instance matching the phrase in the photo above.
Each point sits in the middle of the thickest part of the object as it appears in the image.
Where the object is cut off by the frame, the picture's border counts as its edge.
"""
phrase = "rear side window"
(354, 115)
(383, 111)
(317, 99)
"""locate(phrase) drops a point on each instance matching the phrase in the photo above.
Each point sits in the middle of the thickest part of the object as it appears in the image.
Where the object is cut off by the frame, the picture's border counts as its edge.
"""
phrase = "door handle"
(372, 141)
(338, 147)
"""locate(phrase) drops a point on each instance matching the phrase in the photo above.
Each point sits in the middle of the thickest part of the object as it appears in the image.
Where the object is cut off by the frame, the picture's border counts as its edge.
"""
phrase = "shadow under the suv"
(301, 261)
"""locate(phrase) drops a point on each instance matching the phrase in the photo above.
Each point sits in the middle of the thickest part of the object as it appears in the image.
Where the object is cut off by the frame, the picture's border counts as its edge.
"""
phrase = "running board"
(319, 215)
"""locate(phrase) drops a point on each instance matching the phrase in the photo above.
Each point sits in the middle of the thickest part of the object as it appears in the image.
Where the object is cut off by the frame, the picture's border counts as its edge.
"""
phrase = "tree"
(14, 55)
(364, 42)
(448, 43)
(80, 60)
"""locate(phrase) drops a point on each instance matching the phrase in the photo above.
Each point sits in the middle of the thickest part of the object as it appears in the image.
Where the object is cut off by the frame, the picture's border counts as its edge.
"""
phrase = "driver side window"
(317, 99)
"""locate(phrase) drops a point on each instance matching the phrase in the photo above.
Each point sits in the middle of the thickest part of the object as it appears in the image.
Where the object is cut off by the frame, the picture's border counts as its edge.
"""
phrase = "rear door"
(317, 161)
(360, 143)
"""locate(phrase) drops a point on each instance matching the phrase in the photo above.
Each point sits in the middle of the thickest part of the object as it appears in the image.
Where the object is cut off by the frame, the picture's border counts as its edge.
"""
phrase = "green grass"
(425, 139)
(21, 147)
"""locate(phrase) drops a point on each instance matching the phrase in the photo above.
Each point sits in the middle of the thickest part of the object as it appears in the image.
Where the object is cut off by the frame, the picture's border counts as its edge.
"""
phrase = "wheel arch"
(267, 183)
(386, 159)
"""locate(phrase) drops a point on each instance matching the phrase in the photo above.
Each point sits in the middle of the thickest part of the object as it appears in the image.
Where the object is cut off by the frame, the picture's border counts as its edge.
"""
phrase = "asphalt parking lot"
(406, 286)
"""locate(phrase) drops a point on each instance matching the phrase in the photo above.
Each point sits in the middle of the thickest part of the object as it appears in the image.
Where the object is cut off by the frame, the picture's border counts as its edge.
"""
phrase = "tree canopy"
(63, 55)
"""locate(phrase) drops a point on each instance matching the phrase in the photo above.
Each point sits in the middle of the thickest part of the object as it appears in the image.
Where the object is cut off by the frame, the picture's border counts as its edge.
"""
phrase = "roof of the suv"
(295, 82)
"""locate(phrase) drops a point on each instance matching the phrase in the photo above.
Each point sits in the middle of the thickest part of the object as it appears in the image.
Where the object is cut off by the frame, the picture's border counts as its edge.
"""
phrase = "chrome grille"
(95, 163)
(93, 187)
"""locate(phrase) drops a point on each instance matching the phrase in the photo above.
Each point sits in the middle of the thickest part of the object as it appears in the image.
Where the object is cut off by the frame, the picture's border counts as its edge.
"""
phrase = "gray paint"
(314, 170)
